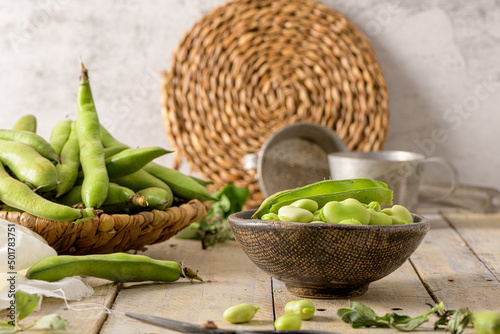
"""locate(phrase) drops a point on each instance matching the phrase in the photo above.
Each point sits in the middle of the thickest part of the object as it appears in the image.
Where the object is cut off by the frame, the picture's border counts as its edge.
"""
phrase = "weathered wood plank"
(452, 272)
(400, 292)
(481, 232)
(230, 278)
(85, 316)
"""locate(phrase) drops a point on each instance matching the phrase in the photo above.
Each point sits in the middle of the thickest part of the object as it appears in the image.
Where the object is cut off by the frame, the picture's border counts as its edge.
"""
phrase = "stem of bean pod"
(190, 274)
(139, 200)
(84, 70)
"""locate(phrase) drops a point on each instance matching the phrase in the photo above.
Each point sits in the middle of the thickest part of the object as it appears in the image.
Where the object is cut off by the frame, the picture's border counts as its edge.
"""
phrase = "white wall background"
(441, 60)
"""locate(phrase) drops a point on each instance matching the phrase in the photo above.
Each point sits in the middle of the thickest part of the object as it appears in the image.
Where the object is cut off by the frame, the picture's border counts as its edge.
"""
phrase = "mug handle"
(454, 176)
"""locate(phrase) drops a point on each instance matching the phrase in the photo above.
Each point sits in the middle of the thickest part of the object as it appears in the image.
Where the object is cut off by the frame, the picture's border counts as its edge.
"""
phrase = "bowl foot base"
(331, 292)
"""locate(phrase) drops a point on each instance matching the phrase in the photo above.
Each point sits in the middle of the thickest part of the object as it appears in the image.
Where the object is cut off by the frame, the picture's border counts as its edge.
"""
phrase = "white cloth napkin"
(28, 249)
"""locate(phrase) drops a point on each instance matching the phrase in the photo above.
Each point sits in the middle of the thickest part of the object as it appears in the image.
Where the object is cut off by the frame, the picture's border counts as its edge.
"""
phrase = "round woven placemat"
(105, 233)
(250, 67)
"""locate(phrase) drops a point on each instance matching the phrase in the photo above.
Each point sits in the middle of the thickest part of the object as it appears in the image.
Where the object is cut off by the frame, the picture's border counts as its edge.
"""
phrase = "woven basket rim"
(110, 233)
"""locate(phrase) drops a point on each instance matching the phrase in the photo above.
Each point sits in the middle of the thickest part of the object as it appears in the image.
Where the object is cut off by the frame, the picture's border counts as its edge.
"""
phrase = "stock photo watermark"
(382, 18)
(11, 272)
(38, 20)
(125, 105)
(455, 116)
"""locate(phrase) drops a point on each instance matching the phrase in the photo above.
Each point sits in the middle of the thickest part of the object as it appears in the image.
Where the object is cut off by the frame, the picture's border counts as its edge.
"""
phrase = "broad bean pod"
(67, 170)
(157, 198)
(26, 123)
(117, 267)
(118, 199)
(326, 187)
(381, 195)
(140, 180)
(28, 165)
(16, 194)
(59, 135)
(130, 160)
(182, 185)
(33, 140)
(96, 180)
(108, 140)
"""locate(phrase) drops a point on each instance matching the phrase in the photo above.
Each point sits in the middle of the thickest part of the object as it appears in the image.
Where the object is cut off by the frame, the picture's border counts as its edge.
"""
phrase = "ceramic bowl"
(324, 260)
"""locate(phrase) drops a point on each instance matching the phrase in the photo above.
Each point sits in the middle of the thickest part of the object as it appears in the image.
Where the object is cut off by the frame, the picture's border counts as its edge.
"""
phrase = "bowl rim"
(233, 218)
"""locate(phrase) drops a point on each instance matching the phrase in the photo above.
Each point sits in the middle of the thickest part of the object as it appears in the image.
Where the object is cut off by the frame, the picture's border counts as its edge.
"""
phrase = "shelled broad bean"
(353, 202)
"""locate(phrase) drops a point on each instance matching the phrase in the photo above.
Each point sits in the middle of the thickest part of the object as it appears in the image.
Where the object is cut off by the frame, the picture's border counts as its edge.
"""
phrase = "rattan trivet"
(250, 67)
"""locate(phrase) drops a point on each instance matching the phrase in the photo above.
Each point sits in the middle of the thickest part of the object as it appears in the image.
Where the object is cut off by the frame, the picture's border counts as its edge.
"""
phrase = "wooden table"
(458, 263)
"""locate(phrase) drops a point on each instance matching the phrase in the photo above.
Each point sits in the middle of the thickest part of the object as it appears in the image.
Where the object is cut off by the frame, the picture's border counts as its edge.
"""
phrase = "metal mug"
(401, 170)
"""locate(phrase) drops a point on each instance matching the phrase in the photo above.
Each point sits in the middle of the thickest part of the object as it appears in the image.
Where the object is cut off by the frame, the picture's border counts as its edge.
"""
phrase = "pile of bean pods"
(353, 201)
(82, 170)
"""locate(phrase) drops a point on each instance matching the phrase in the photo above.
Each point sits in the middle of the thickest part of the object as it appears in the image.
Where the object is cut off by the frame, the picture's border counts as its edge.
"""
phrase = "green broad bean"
(73, 197)
(182, 185)
(350, 221)
(400, 212)
(33, 140)
(326, 188)
(288, 321)
(108, 140)
(201, 181)
(96, 180)
(140, 180)
(28, 165)
(334, 212)
(374, 206)
(397, 220)
(67, 170)
(381, 195)
(110, 151)
(118, 199)
(25, 123)
(59, 135)
(379, 218)
(317, 215)
(240, 313)
(116, 267)
(270, 216)
(306, 203)
(131, 160)
(486, 322)
(291, 213)
(157, 198)
(305, 308)
(18, 195)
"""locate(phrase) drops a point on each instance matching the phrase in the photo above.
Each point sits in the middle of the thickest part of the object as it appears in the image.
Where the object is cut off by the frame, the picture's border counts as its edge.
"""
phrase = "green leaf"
(25, 304)
(410, 325)
(51, 321)
(360, 315)
(459, 321)
(232, 198)
(364, 311)
(213, 227)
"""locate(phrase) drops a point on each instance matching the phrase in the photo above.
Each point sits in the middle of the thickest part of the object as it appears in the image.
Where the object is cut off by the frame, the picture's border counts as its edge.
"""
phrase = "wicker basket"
(112, 233)
(250, 67)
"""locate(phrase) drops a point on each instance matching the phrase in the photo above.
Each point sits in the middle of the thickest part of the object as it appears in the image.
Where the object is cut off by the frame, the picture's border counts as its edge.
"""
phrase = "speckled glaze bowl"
(326, 260)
